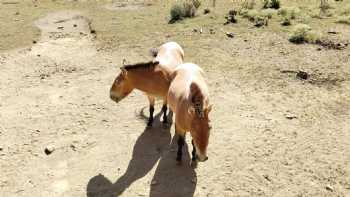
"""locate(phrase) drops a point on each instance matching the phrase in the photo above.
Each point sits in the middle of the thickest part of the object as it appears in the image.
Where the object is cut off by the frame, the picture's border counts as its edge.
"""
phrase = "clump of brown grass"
(185, 9)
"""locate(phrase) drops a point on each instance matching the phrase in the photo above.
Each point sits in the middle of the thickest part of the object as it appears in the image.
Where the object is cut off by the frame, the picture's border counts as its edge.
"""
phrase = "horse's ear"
(124, 71)
(124, 62)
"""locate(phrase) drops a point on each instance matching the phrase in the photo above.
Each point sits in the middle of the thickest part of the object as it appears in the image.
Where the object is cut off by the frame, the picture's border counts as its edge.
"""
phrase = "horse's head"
(121, 86)
(200, 131)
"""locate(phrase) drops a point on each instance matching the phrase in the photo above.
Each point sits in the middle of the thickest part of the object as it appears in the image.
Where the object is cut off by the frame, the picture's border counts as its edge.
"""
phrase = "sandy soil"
(273, 134)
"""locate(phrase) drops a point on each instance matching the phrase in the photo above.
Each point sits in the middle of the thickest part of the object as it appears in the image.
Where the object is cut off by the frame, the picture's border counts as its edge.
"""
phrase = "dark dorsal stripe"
(197, 100)
(140, 65)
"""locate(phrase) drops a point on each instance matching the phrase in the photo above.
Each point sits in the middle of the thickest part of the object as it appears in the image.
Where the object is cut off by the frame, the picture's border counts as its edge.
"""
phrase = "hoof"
(194, 164)
(178, 163)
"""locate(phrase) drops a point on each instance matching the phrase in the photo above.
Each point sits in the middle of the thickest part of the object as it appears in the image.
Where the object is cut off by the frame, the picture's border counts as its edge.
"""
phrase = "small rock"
(75, 25)
(230, 35)
(1, 148)
(211, 31)
(302, 75)
(17, 13)
(291, 117)
(38, 55)
(329, 188)
(201, 31)
(319, 49)
(194, 180)
(195, 30)
(73, 147)
(34, 41)
(60, 27)
(49, 149)
(206, 11)
(93, 31)
(154, 182)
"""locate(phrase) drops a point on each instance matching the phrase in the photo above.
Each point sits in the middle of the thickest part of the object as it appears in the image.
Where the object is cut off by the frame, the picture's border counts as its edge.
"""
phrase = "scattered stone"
(17, 13)
(195, 30)
(34, 41)
(211, 31)
(93, 31)
(73, 147)
(230, 18)
(230, 35)
(329, 188)
(206, 11)
(75, 25)
(60, 27)
(291, 117)
(267, 177)
(201, 31)
(319, 49)
(1, 148)
(333, 32)
(154, 182)
(49, 149)
(302, 75)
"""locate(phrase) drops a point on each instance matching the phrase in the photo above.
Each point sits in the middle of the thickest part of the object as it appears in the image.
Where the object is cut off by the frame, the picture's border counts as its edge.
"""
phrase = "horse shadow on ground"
(170, 179)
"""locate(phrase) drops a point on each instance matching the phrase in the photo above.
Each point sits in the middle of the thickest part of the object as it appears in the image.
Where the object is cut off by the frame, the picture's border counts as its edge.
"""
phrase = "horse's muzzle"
(202, 159)
(114, 98)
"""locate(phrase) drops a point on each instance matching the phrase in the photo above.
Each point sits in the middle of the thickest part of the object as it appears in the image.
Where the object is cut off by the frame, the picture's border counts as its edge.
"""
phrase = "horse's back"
(184, 75)
(170, 55)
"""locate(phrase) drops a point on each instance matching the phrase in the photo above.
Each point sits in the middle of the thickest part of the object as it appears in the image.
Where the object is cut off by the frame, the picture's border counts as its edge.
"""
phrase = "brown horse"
(153, 78)
(188, 98)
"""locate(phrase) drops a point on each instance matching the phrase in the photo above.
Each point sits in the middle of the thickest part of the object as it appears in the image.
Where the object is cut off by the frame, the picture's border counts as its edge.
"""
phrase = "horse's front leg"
(164, 110)
(194, 156)
(151, 100)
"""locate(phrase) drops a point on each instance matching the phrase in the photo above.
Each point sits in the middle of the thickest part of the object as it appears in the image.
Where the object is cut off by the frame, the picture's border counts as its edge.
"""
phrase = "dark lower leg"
(180, 143)
(164, 110)
(150, 119)
(194, 157)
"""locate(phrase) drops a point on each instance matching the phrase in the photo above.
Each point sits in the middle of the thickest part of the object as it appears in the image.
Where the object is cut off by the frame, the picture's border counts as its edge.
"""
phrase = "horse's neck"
(141, 78)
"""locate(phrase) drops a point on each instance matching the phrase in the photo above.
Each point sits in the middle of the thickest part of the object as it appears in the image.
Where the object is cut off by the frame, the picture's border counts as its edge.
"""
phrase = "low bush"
(303, 33)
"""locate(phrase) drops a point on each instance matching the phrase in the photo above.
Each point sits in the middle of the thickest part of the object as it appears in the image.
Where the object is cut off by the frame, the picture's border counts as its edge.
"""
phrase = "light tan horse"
(153, 78)
(188, 98)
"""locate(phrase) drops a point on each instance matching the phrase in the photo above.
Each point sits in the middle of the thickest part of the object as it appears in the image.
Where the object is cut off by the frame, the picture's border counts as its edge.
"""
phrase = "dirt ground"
(273, 134)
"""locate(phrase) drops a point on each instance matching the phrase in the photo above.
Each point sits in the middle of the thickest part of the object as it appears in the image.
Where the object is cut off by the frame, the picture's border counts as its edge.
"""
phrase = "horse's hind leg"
(164, 110)
(151, 110)
(180, 144)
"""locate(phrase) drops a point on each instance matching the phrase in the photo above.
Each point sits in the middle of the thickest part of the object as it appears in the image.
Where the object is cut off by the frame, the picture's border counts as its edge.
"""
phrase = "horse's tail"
(154, 52)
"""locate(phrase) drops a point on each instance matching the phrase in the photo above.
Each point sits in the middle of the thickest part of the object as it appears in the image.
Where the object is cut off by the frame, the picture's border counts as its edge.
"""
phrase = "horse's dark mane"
(140, 65)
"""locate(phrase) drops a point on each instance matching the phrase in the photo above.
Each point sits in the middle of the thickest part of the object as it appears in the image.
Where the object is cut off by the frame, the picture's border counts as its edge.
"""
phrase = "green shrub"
(345, 10)
(186, 9)
(344, 19)
(286, 21)
(196, 3)
(268, 12)
(289, 12)
(176, 12)
(303, 34)
(189, 10)
(248, 4)
(275, 4)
